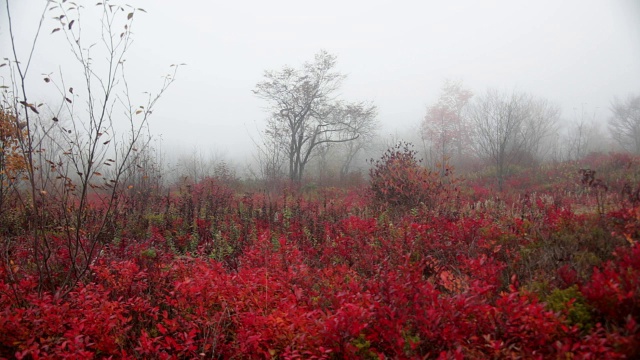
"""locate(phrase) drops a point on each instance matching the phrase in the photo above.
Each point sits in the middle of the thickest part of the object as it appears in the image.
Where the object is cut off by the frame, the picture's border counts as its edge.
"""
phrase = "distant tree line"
(309, 124)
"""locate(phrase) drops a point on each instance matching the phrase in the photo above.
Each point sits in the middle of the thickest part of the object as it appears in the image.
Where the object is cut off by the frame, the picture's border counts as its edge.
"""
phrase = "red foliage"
(398, 180)
(326, 276)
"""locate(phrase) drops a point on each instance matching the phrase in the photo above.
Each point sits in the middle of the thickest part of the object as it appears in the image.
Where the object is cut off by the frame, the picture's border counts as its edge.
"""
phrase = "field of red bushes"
(410, 265)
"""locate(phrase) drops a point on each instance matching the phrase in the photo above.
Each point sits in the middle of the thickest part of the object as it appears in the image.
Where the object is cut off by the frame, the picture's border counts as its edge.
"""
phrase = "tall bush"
(400, 182)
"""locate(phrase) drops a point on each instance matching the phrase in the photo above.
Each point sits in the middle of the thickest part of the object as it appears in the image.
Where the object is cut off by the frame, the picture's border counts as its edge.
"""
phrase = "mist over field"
(576, 54)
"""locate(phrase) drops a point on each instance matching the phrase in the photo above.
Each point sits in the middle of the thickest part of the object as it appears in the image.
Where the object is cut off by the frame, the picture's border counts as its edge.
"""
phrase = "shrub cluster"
(399, 181)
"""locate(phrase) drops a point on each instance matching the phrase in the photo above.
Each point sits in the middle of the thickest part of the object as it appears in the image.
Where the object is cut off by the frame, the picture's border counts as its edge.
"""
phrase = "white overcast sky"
(395, 53)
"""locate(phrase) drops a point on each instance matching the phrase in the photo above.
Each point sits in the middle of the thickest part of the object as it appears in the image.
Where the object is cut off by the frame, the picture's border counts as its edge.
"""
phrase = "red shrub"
(399, 181)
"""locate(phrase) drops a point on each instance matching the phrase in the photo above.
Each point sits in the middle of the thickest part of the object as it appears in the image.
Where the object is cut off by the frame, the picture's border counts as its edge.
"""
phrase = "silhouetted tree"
(304, 112)
(625, 123)
(510, 126)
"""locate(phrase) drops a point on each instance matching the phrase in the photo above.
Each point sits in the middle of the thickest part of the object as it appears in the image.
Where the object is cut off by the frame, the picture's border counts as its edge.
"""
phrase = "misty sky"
(396, 54)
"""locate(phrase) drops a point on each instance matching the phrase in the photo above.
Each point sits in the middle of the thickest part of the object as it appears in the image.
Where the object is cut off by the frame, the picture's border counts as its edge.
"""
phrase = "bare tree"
(89, 158)
(498, 122)
(540, 125)
(510, 127)
(194, 167)
(303, 109)
(581, 135)
(624, 125)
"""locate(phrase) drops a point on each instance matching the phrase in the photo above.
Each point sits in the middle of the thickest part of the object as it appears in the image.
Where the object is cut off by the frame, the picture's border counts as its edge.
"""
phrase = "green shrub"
(572, 303)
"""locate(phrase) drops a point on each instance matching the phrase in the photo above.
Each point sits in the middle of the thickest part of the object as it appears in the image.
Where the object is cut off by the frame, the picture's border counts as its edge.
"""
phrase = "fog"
(579, 54)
